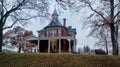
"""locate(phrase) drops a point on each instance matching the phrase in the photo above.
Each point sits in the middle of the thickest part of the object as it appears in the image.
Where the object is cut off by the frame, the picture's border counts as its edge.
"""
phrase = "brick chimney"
(64, 22)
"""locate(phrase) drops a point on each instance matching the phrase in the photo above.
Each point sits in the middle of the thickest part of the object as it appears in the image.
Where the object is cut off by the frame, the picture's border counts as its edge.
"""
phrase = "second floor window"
(53, 33)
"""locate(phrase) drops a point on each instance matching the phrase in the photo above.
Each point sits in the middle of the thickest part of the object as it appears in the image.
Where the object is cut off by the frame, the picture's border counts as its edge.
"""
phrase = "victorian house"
(56, 37)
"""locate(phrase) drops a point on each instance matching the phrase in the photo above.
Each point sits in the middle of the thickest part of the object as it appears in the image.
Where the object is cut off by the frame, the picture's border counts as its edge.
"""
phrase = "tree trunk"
(112, 28)
(116, 33)
(1, 38)
(113, 39)
(19, 49)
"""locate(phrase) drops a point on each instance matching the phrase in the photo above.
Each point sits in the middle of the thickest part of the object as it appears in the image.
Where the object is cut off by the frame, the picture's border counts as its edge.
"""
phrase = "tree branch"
(11, 25)
(117, 20)
(100, 25)
(117, 14)
(17, 21)
(25, 19)
(4, 17)
(13, 9)
(96, 11)
(116, 5)
(4, 7)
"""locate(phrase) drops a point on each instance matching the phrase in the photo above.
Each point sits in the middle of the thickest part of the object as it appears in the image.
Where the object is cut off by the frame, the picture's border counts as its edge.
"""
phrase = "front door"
(53, 45)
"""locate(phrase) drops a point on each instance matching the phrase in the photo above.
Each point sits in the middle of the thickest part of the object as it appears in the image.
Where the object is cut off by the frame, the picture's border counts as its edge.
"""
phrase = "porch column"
(59, 45)
(38, 45)
(48, 46)
(74, 46)
(69, 45)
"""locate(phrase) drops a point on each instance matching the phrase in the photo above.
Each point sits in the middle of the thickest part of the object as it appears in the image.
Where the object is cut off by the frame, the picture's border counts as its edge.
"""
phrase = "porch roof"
(32, 37)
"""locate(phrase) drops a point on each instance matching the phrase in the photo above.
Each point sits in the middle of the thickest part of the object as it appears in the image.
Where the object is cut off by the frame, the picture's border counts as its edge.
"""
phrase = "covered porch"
(57, 45)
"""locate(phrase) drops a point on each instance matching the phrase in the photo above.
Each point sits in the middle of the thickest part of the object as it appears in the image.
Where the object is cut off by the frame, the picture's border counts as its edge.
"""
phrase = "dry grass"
(58, 60)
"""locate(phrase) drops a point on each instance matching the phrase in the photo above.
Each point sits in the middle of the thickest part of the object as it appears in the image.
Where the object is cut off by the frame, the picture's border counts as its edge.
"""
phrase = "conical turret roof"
(55, 21)
(55, 12)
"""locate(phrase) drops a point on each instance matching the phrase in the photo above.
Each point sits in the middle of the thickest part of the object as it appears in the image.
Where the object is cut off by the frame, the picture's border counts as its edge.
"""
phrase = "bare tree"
(103, 38)
(110, 19)
(20, 11)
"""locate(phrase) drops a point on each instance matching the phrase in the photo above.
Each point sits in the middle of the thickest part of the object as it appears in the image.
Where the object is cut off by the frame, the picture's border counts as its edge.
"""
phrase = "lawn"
(57, 60)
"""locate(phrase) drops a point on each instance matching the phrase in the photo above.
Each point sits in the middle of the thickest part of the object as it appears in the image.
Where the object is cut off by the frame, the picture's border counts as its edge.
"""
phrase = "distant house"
(56, 37)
